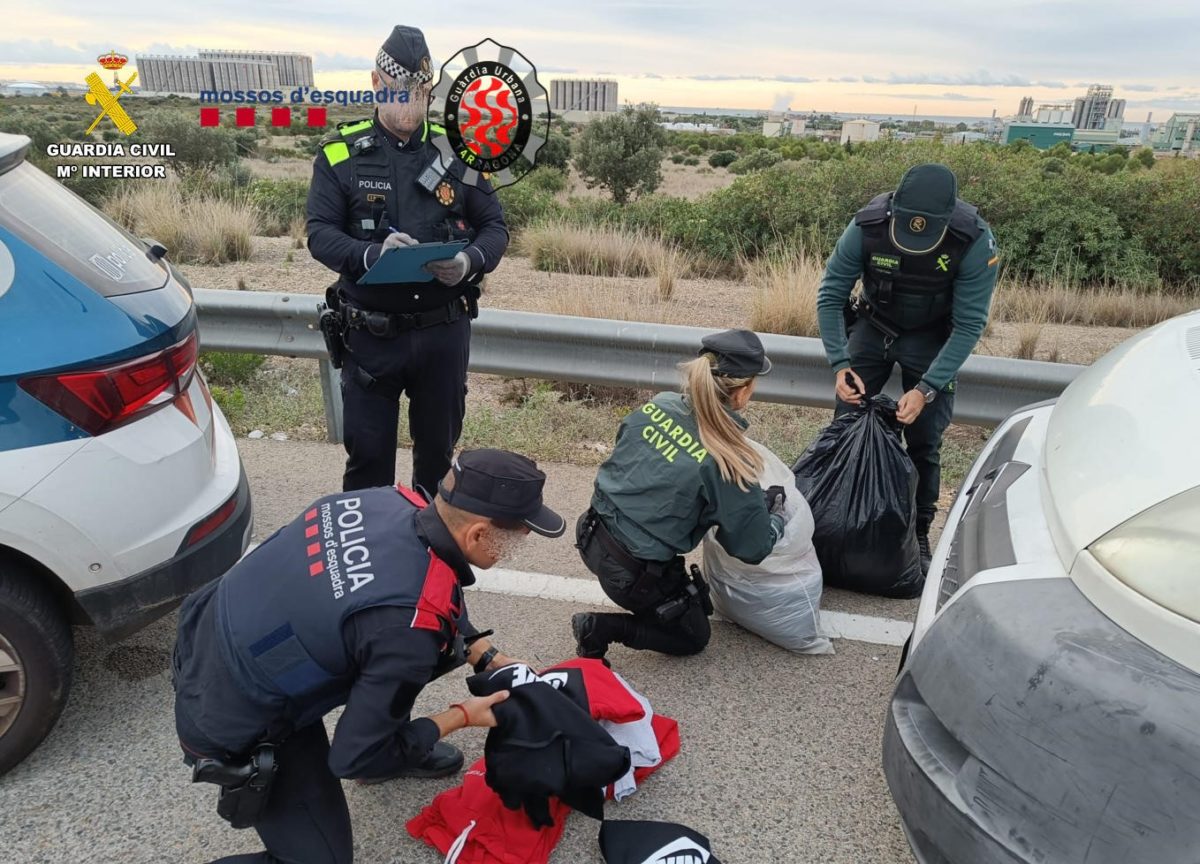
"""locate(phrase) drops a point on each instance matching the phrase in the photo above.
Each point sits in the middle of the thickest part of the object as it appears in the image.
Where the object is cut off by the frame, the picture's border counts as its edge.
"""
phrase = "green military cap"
(921, 208)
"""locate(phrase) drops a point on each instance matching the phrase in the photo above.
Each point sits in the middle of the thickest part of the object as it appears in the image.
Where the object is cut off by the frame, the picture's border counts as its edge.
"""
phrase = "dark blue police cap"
(405, 55)
(504, 486)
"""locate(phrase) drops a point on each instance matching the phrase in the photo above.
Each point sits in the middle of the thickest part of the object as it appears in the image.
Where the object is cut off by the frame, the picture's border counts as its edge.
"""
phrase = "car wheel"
(36, 655)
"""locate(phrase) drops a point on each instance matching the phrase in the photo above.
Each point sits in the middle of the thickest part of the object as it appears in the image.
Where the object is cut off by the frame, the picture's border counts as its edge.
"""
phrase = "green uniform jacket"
(660, 492)
(972, 301)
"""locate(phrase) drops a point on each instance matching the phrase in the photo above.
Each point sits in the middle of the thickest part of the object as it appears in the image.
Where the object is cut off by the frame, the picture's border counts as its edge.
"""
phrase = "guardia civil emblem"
(495, 111)
(916, 224)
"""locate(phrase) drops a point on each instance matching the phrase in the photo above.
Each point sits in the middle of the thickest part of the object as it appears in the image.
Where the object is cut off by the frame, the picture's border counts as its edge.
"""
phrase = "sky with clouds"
(875, 56)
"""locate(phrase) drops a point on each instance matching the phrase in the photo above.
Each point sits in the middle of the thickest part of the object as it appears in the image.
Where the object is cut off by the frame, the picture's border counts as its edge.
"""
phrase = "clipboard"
(405, 263)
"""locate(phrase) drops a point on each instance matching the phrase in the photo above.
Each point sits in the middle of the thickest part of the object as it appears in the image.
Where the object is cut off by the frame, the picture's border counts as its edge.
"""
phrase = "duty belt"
(388, 325)
(666, 577)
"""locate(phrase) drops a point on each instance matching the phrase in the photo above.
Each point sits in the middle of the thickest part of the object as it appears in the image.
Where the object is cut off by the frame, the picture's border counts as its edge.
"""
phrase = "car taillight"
(98, 400)
(210, 524)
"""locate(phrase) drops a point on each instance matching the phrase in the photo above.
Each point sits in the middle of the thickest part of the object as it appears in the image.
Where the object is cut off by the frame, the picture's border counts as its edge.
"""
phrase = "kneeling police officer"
(681, 465)
(357, 602)
(378, 184)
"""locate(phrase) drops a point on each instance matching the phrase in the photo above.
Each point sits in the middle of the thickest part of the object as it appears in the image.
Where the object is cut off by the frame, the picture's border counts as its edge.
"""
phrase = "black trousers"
(873, 359)
(429, 366)
(687, 634)
(306, 820)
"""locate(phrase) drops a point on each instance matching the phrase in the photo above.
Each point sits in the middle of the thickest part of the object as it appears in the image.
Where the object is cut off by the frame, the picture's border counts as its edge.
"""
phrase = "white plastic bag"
(780, 597)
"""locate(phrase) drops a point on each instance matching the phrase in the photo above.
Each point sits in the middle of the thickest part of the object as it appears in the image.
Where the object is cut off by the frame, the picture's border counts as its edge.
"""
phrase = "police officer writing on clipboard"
(379, 184)
(357, 602)
(680, 466)
(928, 264)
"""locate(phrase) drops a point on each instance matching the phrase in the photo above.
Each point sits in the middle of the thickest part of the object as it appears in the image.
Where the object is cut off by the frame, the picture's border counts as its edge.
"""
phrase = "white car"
(1049, 706)
(121, 489)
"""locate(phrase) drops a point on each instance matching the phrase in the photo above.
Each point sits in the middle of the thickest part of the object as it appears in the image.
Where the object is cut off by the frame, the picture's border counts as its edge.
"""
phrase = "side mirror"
(154, 250)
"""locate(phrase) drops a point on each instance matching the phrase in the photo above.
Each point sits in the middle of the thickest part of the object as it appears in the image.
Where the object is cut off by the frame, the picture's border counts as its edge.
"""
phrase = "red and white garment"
(470, 824)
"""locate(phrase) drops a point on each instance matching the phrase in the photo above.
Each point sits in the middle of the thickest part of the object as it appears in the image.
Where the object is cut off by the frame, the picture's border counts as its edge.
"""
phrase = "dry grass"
(639, 302)
(297, 231)
(604, 251)
(1029, 333)
(198, 230)
(785, 293)
(1060, 303)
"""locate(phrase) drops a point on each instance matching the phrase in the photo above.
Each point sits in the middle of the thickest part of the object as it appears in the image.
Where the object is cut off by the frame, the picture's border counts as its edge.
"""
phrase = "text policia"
(304, 95)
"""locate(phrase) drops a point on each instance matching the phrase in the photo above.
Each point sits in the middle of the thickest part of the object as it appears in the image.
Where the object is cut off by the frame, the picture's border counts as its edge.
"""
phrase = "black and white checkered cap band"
(397, 72)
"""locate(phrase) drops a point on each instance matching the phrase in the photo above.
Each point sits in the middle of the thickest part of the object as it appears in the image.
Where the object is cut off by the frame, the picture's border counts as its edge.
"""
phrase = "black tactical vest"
(912, 291)
(385, 192)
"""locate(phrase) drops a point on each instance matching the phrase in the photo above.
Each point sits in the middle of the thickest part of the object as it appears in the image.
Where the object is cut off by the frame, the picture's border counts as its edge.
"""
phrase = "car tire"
(36, 658)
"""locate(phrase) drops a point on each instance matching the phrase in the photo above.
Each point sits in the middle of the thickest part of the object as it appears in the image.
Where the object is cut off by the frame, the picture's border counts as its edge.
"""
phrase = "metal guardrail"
(601, 351)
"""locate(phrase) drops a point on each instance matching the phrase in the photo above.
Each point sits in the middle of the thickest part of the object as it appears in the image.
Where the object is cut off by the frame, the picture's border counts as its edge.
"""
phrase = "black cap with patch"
(504, 486)
(740, 353)
(405, 55)
(921, 208)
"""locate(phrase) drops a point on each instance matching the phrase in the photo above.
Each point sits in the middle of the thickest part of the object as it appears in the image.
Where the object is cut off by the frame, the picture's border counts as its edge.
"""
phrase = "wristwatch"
(487, 657)
(925, 390)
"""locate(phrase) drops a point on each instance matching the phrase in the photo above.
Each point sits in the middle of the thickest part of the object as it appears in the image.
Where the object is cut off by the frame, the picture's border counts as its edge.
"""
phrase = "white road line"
(544, 586)
(587, 592)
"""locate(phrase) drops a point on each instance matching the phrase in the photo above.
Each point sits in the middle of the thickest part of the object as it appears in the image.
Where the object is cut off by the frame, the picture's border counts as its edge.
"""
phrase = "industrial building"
(1180, 134)
(859, 131)
(1043, 136)
(1096, 108)
(1096, 140)
(1026, 109)
(567, 95)
(780, 126)
(223, 70)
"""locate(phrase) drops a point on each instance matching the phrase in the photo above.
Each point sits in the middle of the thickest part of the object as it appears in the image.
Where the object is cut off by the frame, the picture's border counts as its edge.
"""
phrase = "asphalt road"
(780, 755)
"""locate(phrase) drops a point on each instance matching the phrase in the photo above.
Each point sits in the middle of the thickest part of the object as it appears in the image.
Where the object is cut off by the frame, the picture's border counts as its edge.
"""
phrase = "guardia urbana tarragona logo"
(495, 111)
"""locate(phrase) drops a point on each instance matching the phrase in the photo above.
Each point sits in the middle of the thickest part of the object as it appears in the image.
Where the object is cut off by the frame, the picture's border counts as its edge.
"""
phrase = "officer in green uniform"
(928, 265)
(681, 465)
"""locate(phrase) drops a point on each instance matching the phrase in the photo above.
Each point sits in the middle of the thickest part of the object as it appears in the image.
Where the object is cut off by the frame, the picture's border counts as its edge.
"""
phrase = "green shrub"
(279, 203)
(555, 153)
(524, 203)
(722, 158)
(756, 161)
(677, 158)
(694, 149)
(231, 399)
(227, 369)
(691, 160)
(546, 179)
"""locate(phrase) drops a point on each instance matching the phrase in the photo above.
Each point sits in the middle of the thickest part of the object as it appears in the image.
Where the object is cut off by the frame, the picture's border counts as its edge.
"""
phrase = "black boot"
(588, 642)
(443, 760)
(923, 544)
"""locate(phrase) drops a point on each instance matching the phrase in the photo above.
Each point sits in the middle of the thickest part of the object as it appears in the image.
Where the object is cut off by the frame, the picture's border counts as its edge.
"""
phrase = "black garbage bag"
(862, 489)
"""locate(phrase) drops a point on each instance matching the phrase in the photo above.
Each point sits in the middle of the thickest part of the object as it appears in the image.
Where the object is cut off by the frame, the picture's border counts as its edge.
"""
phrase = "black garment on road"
(687, 634)
(353, 202)
(634, 842)
(546, 745)
(873, 359)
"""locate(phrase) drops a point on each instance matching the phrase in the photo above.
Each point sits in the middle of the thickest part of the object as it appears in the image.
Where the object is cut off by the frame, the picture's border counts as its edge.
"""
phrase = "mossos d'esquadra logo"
(495, 111)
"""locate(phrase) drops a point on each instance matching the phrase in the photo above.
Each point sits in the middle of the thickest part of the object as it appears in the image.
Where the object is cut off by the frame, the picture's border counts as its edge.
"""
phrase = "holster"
(333, 326)
(863, 309)
(245, 787)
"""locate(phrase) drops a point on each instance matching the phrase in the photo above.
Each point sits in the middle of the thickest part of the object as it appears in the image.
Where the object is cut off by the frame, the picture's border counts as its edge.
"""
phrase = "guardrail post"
(331, 395)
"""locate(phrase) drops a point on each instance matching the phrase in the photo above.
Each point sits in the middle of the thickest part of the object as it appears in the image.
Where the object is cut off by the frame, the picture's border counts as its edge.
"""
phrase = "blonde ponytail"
(720, 434)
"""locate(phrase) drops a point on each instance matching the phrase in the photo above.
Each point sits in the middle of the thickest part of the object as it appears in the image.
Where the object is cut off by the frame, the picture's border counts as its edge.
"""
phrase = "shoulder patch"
(336, 151)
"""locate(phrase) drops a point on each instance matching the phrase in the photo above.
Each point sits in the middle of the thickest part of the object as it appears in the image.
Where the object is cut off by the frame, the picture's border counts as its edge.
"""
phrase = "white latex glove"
(397, 239)
(451, 271)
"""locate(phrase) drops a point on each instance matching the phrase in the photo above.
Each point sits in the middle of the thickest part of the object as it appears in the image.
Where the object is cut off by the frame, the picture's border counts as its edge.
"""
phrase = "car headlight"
(1157, 553)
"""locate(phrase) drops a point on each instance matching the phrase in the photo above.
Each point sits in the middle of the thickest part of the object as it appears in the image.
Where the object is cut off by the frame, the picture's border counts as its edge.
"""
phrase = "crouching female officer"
(681, 465)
